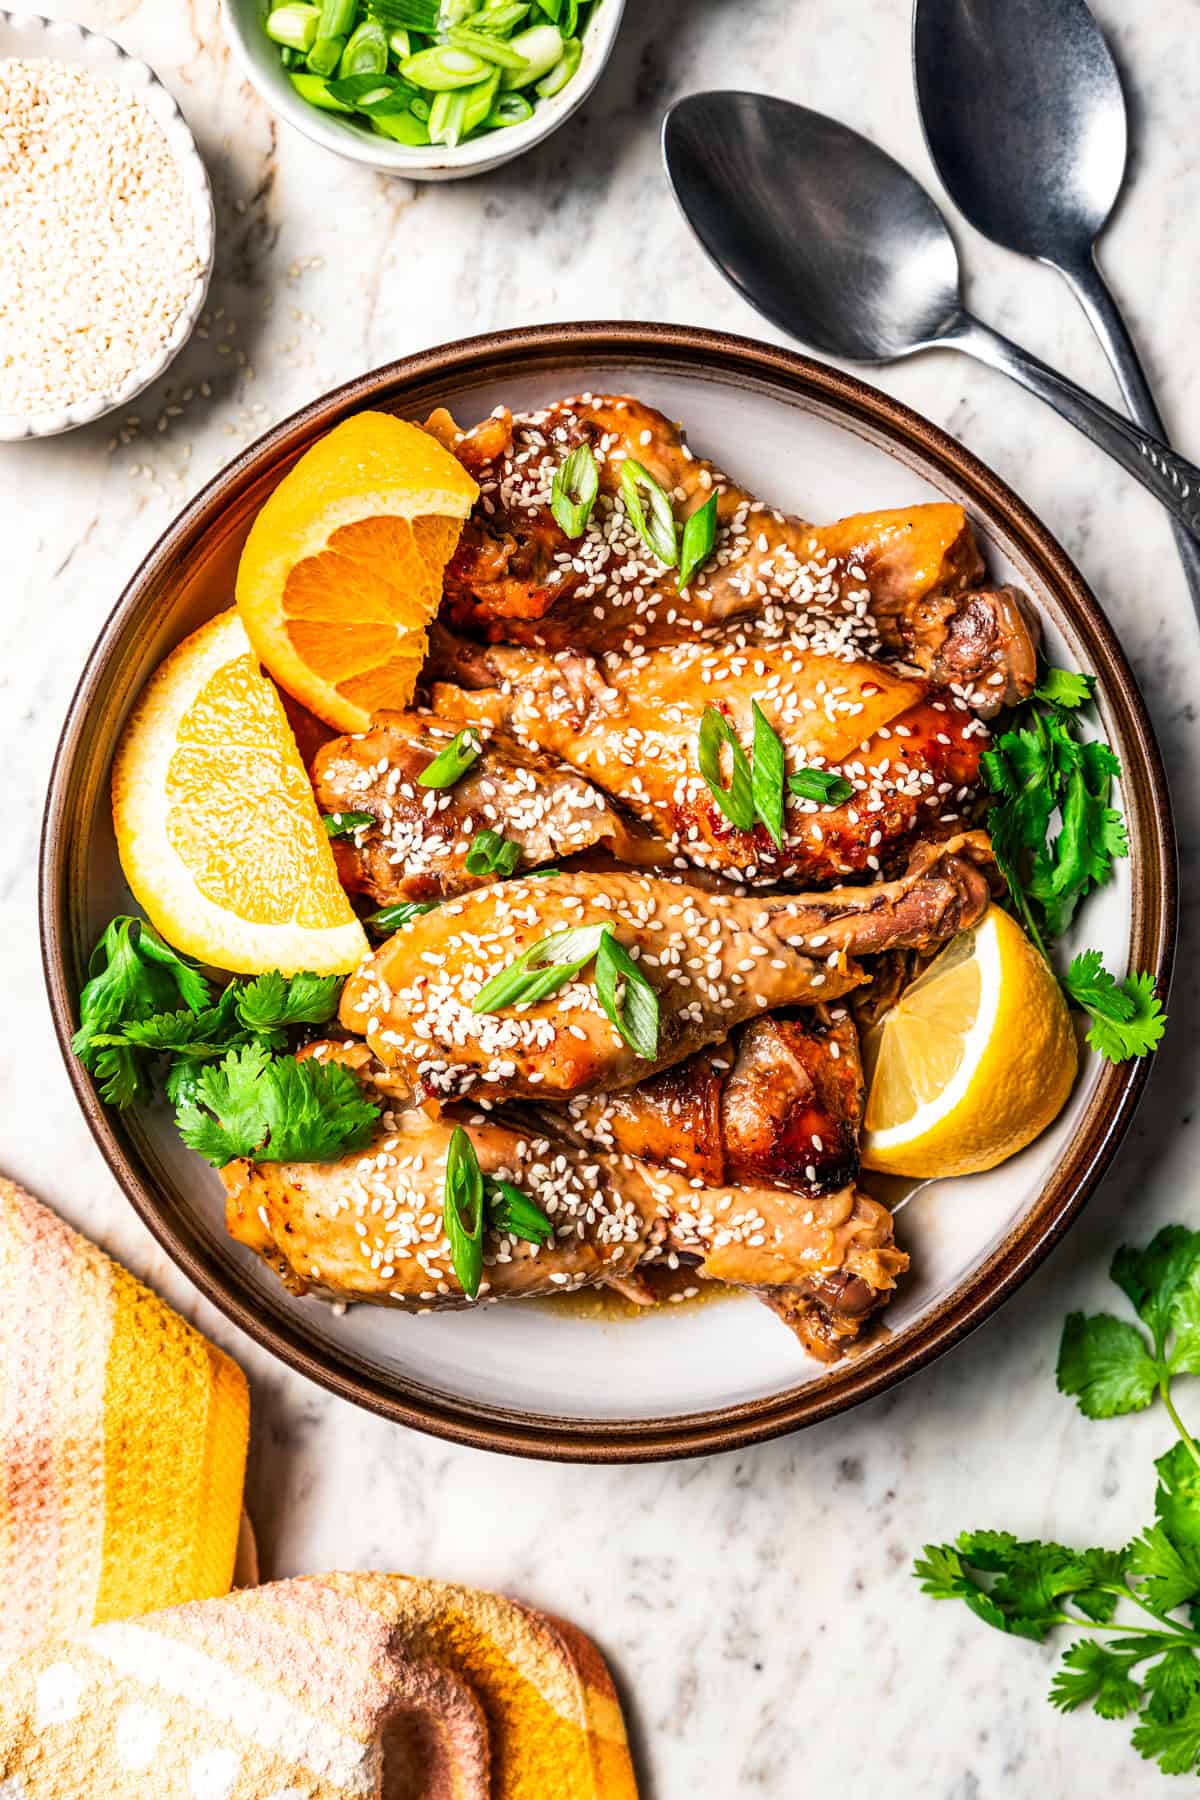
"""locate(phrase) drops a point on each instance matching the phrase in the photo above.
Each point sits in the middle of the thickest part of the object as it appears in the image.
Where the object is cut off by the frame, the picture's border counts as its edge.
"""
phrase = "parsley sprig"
(1056, 835)
(148, 1010)
(1029, 1588)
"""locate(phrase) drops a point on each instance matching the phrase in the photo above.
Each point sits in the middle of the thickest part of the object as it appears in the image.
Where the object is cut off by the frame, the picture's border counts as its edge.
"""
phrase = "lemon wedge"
(217, 827)
(974, 1061)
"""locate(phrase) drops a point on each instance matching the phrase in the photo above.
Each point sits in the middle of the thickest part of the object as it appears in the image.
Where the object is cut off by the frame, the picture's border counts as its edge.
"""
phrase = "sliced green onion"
(568, 22)
(767, 776)
(483, 44)
(293, 25)
(542, 969)
(402, 127)
(541, 874)
(627, 997)
(576, 484)
(502, 19)
(337, 18)
(366, 51)
(563, 69)
(316, 91)
(391, 918)
(452, 763)
(291, 59)
(399, 44)
(462, 1211)
(442, 68)
(454, 116)
(737, 800)
(511, 1211)
(650, 511)
(420, 108)
(539, 49)
(365, 91)
(342, 824)
(491, 854)
(699, 536)
(510, 109)
(821, 785)
(408, 15)
(551, 8)
(325, 55)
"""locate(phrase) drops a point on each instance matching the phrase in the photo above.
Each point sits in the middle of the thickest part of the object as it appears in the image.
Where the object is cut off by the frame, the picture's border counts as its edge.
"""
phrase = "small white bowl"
(28, 35)
(259, 57)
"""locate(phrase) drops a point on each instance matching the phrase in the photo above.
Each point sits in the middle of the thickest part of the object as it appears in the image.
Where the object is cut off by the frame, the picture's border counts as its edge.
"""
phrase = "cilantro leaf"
(132, 975)
(1151, 1278)
(1139, 1032)
(1171, 1682)
(942, 1574)
(275, 1109)
(1091, 1672)
(273, 1001)
(1177, 1497)
(1104, 1362)
(1065, 688)
(1175, 1743)
(1169, 1572)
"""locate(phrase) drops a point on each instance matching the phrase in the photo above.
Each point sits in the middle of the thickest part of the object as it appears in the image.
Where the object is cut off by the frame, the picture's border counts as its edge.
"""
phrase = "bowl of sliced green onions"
(431, 89)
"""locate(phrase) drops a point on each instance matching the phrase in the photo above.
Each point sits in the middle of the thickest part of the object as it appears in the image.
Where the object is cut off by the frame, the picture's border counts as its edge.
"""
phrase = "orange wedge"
(341, 574)
(217, 827)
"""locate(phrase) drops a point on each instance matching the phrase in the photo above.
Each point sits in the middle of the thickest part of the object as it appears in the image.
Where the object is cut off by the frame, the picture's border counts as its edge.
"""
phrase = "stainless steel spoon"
(836, 243)
(1024, 116)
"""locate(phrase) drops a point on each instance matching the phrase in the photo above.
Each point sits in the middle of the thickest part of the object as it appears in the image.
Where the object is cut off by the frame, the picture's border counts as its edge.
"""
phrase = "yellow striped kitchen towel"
(122, 1439)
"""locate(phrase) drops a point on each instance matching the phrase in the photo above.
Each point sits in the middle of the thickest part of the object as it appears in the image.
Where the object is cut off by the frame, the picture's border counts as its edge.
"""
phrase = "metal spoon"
(832, 240)
(1031, 148)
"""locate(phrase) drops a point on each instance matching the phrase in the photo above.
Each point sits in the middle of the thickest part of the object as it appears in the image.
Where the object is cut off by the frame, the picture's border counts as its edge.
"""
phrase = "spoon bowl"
(854, 258)
(1030, 142)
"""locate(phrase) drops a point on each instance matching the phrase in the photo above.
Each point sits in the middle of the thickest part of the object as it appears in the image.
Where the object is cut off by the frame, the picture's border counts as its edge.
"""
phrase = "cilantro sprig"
(1147, 1667)
(146, 1010)
(1056, 835)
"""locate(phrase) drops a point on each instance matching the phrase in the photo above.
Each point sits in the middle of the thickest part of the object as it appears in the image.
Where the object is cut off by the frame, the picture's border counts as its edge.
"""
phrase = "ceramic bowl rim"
(1154, 899)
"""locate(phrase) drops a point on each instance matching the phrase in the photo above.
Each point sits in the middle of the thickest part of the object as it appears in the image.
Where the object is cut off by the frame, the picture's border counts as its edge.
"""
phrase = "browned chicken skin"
(418, 845)
(779, 1102)
(714, 960)
(369, 1227)
(858, 583)
(631, 725)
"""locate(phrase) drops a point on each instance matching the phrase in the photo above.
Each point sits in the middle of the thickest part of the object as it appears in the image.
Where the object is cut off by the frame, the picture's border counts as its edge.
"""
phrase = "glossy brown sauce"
(676, 1290)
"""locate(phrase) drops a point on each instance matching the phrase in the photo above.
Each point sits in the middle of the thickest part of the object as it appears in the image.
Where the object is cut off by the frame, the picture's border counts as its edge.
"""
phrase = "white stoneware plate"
(525, 1378)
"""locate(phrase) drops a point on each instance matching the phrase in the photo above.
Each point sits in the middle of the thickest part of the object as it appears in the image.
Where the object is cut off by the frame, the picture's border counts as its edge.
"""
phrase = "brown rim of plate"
(409, 386)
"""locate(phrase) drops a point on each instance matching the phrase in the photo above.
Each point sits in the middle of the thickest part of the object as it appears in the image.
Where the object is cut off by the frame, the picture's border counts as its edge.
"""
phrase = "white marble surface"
(757, 1609)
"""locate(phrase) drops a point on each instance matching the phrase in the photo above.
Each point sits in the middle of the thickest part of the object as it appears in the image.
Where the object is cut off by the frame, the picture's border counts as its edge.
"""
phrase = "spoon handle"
(1104, 317)
(1169, 477)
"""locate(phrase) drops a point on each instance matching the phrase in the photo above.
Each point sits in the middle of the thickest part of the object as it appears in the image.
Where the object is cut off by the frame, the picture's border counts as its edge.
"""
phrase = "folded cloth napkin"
(318, 1689)
(122, 1452)
(122, 1439)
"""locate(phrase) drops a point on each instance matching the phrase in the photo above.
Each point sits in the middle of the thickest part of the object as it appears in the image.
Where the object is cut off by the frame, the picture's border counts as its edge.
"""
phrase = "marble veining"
(757, 1608)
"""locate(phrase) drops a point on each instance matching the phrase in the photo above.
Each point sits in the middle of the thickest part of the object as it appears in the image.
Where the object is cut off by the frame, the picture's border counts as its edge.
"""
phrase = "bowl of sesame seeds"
(559, 1379)
(108, 243)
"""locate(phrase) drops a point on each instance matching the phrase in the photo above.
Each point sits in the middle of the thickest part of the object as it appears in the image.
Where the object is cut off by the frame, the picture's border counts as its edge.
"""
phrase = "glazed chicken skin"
(369, 1226)
(779, 1102)
(713, 959)
(631, 725)
(868, 583)
(417, 846)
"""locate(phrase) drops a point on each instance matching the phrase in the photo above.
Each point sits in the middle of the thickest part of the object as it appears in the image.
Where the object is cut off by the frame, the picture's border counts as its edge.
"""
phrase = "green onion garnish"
(325, 56)
(452, 763)
(503, 19)
(391, 918)
(699, 536)
(511, 1211)
(655, 526)
(542, 969)
(462, 1211)
(627, 997)
(294, 26)
(576, 484)
(366, 51)
(491, 854)
(337, 18)
(484, 44)
(539, 48)
(821, 785)
(766, 777)
(441, 68)
(510, 109)
(342, 824)
(737, 800)
(408, 15)
(563, 69)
